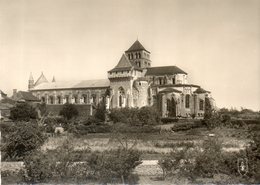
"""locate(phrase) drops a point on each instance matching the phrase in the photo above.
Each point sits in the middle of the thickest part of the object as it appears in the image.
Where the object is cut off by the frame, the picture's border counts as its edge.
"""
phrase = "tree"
(116, 164)
(101, 111)
(69, 111)
(148, 116)
(28, 137)
(23, 112)
(208, 109)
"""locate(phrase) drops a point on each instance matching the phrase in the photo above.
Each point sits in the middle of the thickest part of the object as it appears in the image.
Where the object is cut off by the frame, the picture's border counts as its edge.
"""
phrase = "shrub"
(117, 164)
(27, 138)
(100, 113)
(135, 116)
(23, 112)
(148, 116)
(38, 168)
(125, 115)
(69, 111)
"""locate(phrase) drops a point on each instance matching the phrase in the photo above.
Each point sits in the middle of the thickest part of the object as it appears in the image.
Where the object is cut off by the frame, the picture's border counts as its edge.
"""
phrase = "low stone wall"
(83, 109)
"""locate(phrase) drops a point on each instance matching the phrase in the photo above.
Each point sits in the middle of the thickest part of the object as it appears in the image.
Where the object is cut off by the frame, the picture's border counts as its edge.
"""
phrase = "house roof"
(73, 84)
(137, 46)
(41, 79)
(200, 91)
(3, 94)
(164, 70)
(24, 95)
(170, 90)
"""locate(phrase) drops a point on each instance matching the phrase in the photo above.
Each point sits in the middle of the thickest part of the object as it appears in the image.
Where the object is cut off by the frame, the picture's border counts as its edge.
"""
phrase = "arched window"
(75, 99)
(129, 56)
(132, 56)
(67, 99)
(43, 99)
(173, 80)
(59, 99)
(187, 101)
(51, 100)
(139, 55)
(201, 105)
(121, 98)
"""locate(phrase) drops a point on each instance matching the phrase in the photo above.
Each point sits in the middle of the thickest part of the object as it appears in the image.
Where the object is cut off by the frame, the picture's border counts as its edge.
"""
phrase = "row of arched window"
(85, 99)
(134, 55)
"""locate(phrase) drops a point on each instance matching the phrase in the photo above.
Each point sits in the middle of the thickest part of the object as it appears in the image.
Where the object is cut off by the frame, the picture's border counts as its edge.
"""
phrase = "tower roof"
(124, 64)
(53, 79)
(41, 79)
(31, 77)
(137, 46)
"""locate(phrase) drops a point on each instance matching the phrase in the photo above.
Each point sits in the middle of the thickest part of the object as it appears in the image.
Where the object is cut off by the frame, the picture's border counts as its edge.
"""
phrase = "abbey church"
(133, 82)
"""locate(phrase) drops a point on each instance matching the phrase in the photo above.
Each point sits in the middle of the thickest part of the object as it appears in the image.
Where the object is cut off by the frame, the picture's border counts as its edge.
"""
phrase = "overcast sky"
(217, 42)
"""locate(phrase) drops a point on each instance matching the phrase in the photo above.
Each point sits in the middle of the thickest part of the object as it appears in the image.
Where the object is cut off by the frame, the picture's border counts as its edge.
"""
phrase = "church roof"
(164, 70)
(41, 79)
(103, 83)
(124, 64)
(169, 90)
(200, 91)
(137, 46)
(31, 77)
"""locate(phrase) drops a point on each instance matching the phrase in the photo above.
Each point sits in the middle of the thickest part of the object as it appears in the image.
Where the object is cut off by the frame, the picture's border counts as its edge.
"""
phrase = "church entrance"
(171, 107)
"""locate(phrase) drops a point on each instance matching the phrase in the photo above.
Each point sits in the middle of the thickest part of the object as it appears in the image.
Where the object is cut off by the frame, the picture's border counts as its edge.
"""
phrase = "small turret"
(53, 79)
(30, 82)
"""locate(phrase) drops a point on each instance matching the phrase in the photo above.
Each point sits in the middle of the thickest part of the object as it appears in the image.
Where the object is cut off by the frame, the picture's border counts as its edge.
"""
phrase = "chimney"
(14, 93)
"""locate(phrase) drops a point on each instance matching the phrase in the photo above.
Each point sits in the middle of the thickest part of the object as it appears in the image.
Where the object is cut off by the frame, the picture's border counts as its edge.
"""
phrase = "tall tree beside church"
(69, 111)
(208, 109)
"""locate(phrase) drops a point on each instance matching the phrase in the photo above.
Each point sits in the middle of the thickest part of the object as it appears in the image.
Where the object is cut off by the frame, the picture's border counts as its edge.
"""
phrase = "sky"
(217, 42)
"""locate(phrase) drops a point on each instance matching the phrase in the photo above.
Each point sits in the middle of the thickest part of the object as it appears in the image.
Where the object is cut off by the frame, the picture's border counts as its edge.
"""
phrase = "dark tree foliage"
(69, 111)
(208, 109)
(100, 113)
(27, 138)
(23, 112)
(148, 116)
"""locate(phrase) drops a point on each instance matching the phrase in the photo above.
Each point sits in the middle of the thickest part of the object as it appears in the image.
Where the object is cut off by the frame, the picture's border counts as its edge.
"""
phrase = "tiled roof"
(7, 100)
(137, 46)
(169, 90)
(164, 70)
(24, 95)
(73, 84)
(200, 91)
(41, 79)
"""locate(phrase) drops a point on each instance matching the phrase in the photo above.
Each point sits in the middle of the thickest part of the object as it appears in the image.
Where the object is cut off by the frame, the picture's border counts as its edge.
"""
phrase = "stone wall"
(84, 110)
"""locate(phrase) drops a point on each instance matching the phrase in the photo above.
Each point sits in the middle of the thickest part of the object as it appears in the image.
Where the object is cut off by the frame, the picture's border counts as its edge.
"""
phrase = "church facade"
(133, 82)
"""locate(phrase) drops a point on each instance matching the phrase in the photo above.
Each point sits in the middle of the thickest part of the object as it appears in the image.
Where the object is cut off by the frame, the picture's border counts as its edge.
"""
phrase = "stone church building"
(133, 82)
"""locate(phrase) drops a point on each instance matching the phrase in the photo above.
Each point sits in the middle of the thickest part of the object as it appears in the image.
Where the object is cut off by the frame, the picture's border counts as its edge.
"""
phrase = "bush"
(100, 113)
(69, 111)
(125, 115)
(135, 116)
(113, 165)
(27, 138)
(169, 120)
(38, 168)
(148, 116)
(23, 112)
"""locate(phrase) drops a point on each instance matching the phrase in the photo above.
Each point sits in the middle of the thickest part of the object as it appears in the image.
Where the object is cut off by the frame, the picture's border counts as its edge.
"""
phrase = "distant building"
(5, 106)
(131, 83)
(24, 96)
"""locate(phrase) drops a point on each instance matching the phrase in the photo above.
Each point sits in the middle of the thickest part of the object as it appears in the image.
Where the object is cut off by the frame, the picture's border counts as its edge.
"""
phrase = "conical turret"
(30, 82)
